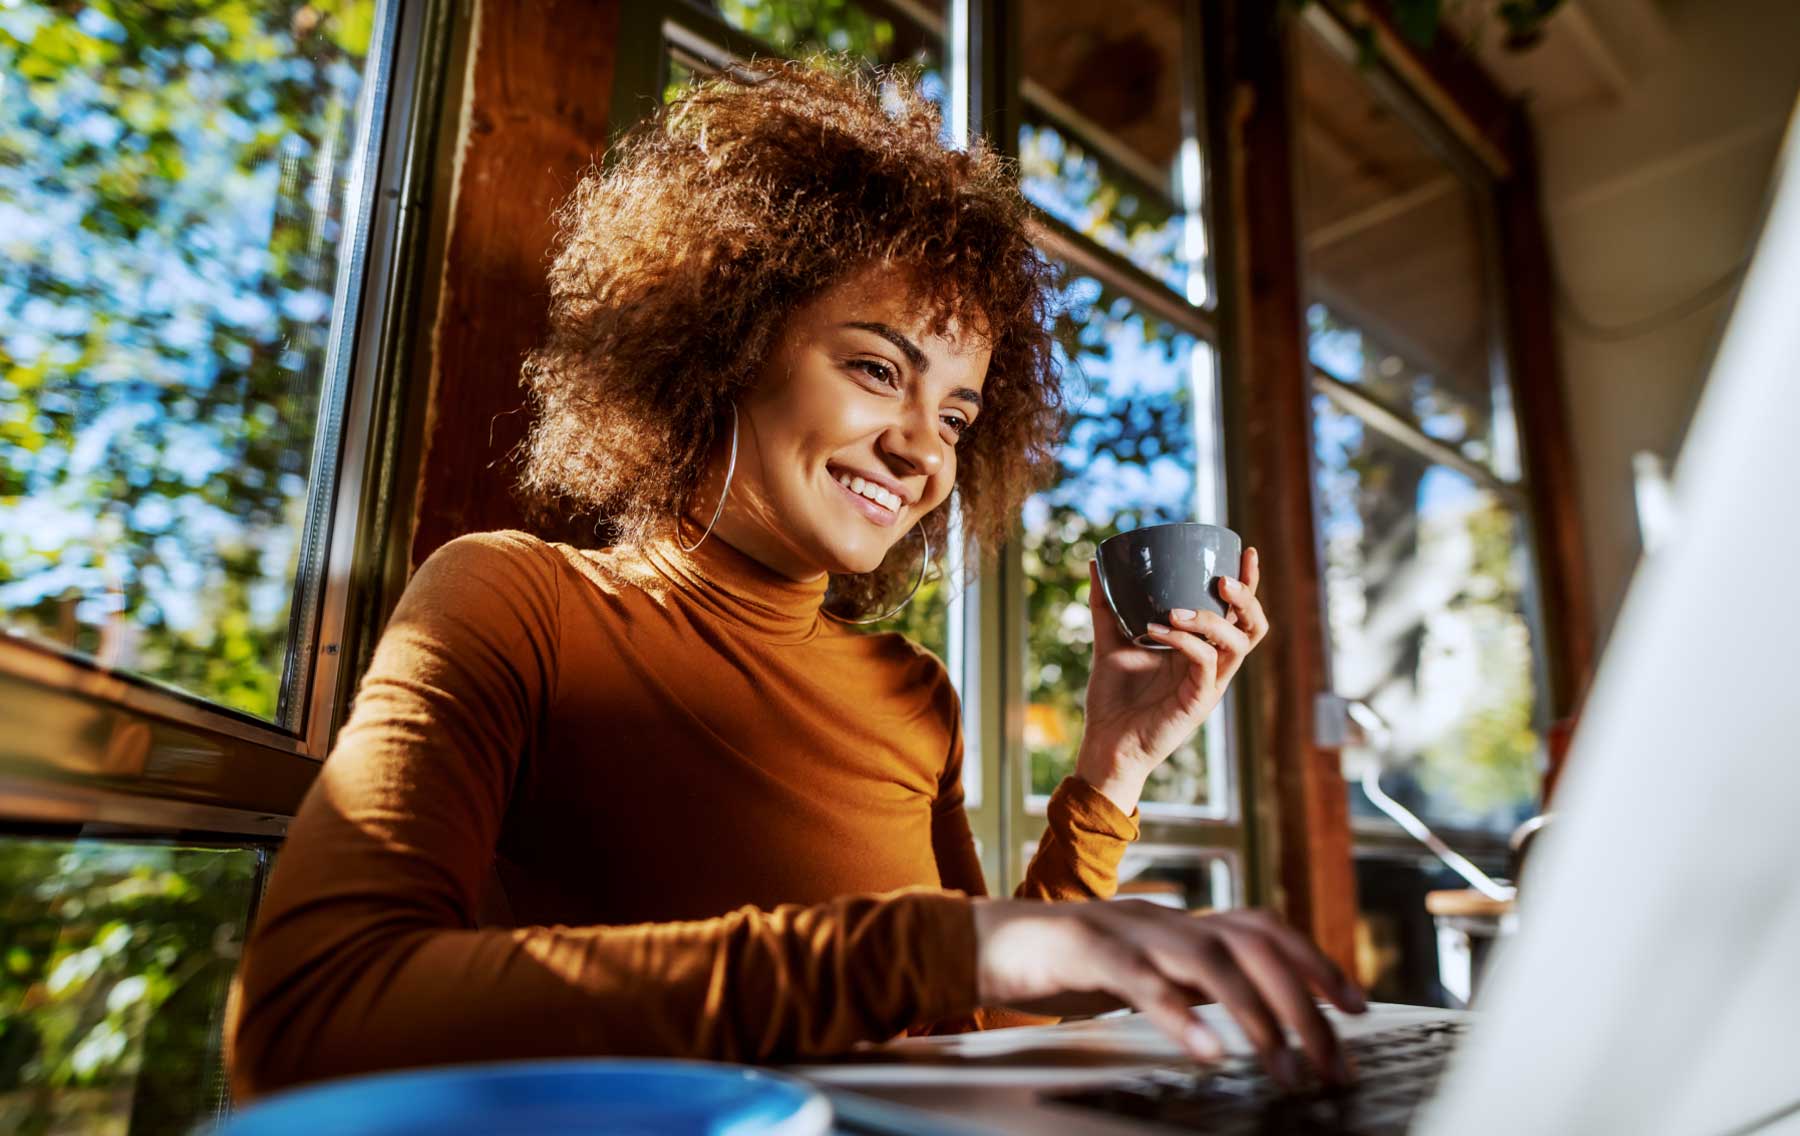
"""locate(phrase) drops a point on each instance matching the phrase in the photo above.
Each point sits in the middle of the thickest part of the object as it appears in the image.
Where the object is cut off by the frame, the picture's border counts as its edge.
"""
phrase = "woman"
(659, 797)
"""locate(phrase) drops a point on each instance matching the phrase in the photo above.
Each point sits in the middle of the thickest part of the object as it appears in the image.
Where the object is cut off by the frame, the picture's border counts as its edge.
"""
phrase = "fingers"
(1107, 635)
(1257, 968)
(1198, 651)
(1269, 968)
(1305, 958)
(1129, 975)
(1196, 957)
(1252, 569)
(1246, 609)
(1234, 641)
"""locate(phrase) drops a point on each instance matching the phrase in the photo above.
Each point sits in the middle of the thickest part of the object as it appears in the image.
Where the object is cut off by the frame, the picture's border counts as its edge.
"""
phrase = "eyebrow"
(914, 356)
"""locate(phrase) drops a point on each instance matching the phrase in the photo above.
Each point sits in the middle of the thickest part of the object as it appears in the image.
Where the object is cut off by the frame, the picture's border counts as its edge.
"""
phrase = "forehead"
(890, 296)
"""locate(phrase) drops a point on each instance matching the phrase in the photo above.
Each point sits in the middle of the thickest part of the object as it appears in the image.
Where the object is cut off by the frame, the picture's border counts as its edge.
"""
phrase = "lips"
(872, 512)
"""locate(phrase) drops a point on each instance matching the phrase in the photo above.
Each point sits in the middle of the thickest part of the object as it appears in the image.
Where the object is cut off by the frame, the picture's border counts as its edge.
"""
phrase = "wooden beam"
(1268, 402)
(536, 102)
(1542, 410)
(1445, 76)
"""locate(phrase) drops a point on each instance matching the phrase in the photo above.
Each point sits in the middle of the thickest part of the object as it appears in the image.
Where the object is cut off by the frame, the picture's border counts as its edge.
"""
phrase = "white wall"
(1651, 195)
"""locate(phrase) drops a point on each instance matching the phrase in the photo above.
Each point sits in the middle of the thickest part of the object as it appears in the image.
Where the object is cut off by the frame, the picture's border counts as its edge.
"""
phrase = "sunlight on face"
(850, 435)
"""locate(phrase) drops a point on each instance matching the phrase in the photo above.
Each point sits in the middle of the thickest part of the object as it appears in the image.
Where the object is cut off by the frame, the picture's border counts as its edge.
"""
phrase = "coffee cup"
(1149, 572)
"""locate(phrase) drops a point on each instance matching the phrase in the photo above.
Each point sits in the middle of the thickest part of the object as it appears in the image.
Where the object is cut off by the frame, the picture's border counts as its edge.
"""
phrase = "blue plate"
(664, 1098)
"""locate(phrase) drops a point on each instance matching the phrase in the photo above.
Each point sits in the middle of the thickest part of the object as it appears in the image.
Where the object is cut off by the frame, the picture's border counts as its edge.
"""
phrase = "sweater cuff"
(1086, 809)
(946, 954)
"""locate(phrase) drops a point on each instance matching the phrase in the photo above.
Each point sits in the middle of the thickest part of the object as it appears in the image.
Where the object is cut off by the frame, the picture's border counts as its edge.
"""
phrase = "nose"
(912, 443)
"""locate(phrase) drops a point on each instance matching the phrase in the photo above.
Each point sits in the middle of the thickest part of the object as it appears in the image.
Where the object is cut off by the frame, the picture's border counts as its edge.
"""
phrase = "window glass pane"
(1130, 459)
(116, 960)
(680, 75)
(1110, 159)
(1426, 590)
(1397, 265)
(925, 620)
(1179, 878)
(173, 226)
(1172, 876)
(896, 31)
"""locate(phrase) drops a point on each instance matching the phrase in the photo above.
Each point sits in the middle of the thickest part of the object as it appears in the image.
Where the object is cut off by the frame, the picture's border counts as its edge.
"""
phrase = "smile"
(874, 502)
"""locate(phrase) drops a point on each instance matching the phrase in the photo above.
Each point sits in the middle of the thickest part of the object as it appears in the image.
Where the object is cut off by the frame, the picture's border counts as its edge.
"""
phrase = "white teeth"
(872, 491)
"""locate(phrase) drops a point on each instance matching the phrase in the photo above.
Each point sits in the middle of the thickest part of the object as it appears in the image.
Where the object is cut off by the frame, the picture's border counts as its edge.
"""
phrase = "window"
(1117, 170)
(1139, 396)
(1422, 515)
(117, 959)
(1188, 879)
(195, 239)
(881, 33)
(183, 194)
(1112, 160)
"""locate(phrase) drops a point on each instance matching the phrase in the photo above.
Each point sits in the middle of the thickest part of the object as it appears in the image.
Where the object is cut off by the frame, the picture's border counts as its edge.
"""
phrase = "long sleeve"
(1078, 858)
(1085, 837)
(366, 954)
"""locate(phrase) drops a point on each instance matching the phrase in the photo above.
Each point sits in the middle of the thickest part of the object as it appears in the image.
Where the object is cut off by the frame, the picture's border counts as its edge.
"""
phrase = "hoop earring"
(730, 469)
(924, 566)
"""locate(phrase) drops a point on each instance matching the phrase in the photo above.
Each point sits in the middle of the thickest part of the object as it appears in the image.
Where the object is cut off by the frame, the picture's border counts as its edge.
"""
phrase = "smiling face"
(849, 436)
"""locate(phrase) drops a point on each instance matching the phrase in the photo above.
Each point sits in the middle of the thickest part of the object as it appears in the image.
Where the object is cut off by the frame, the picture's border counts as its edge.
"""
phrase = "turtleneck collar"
(742, 590)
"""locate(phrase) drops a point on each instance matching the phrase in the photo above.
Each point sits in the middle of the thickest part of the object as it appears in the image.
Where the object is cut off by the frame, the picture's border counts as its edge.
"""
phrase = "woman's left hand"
(1141, 702)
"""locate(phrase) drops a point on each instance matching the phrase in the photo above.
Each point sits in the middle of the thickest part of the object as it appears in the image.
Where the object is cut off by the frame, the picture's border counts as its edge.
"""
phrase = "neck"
(760, 544)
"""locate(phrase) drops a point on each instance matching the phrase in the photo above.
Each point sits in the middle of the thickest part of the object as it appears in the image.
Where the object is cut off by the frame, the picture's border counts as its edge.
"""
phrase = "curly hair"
(719, 216)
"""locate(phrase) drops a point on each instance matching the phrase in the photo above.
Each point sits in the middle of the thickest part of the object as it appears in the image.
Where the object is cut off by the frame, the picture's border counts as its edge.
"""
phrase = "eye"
(958, 424)
(877, 370)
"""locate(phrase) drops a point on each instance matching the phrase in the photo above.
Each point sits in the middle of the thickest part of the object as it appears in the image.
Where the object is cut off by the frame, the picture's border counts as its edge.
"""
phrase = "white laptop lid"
(1655, 986)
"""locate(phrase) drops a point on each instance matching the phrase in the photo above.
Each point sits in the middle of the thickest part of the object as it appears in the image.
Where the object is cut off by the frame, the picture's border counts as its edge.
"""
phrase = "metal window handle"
(1378, 736)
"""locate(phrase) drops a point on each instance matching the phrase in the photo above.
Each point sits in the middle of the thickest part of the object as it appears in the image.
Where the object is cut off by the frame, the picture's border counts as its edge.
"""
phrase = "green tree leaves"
(172, 202)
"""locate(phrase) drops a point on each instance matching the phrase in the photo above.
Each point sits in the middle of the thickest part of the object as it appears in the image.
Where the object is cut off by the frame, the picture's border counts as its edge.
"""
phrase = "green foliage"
(1128, 460)
(1426, 576)
(171, 199)
(794, 27)
(1491, 759)
(114, 964)
(1103, 202)
(844, 29)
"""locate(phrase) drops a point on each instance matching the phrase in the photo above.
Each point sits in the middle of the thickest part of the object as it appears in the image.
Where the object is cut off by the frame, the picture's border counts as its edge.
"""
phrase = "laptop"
(1654, 985)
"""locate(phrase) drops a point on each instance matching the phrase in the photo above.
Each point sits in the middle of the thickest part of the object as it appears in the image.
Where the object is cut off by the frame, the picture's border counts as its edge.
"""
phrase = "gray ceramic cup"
(1147, 573)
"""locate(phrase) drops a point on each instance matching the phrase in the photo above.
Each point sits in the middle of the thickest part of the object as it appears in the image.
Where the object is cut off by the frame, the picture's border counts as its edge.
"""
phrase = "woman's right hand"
(1071, 958)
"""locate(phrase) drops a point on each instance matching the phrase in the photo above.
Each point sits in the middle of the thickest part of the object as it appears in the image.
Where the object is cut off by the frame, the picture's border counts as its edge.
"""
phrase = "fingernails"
(1156, 629)
(1227, 583)
(1354, 1000)
(1181, 615)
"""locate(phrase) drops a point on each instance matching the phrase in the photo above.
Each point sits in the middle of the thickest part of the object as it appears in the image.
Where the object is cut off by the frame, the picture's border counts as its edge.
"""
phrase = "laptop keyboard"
(1397, 1069)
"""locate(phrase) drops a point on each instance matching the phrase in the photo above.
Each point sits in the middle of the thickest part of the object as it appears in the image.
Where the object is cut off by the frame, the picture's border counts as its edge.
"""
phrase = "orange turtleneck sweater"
(608, 802)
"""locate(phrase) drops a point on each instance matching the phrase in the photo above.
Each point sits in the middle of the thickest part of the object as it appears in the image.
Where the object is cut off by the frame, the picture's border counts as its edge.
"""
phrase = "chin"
(844, 558)
(859, 561)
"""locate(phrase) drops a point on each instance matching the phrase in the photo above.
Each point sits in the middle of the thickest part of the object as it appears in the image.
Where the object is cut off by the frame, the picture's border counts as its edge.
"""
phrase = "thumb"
(1108, 636)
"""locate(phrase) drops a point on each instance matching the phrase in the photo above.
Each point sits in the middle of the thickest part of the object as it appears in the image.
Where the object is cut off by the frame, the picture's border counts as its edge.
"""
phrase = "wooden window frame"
(1250, 70)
